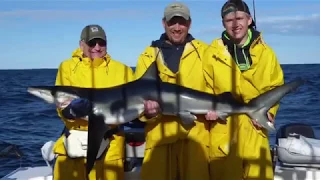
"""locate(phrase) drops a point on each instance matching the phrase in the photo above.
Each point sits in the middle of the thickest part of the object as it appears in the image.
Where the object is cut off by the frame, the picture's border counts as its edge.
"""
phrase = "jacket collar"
(222, 54)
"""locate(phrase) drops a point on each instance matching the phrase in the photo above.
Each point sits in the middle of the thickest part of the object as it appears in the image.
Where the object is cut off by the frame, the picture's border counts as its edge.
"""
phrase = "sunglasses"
(179, 20)
(94, 42)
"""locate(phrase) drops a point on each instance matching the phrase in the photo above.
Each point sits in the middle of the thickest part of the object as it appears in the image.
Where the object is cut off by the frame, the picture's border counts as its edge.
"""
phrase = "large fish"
(124, 103)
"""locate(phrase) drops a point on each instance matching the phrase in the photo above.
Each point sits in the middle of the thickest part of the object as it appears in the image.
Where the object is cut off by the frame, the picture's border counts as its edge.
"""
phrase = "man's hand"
(151, 108)
(270, 118)
(211, 116)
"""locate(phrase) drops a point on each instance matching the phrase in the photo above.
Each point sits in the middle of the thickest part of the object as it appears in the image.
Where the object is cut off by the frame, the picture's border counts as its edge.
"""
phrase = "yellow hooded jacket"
(167, 129)
(223, 75)
(100, 73)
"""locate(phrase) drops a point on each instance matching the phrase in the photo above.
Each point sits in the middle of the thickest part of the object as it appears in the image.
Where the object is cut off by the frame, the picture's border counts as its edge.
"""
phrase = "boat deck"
(45, 173)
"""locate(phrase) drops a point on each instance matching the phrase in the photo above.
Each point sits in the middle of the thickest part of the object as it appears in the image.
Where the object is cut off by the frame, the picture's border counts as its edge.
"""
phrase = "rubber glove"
(77, 108)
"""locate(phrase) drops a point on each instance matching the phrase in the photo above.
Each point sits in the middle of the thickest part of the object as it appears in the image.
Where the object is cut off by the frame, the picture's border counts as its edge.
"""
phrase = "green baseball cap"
(176, 9)
(92, 32)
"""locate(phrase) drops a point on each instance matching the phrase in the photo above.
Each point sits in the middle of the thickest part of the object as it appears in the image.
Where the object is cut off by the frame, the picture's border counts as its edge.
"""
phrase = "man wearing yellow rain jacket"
(173, 152)
(90, 66)
(242, 63)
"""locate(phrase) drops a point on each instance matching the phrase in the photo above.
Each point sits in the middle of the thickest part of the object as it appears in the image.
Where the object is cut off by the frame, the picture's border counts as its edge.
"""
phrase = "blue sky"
(41, 34)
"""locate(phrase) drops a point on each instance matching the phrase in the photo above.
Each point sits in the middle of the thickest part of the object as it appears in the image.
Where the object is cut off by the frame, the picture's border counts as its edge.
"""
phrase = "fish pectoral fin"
(105, 144)
(132, 112)
(187, 118)
(96, 131)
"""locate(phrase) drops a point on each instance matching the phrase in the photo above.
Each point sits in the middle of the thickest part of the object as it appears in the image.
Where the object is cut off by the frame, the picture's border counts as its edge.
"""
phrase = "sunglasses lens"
(93, 42)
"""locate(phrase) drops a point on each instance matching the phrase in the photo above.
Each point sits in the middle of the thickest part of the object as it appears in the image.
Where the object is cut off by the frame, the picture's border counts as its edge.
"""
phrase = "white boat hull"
(297, 173)
(282, 172)
(45, 173)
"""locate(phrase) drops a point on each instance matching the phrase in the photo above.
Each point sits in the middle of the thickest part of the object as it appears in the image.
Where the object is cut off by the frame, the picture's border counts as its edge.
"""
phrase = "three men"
(237, 62)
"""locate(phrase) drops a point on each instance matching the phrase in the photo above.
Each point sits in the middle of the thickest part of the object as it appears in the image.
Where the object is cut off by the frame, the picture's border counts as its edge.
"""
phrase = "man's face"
(236, 25)
(95, 48)
(177, 29)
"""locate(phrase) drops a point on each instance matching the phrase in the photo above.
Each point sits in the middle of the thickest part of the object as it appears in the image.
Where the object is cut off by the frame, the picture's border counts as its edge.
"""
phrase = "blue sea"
(28, 123)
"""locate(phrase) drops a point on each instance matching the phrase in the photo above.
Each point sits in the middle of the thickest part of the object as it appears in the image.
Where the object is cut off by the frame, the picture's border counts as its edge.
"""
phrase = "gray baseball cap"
(92, 32)
(176, 9)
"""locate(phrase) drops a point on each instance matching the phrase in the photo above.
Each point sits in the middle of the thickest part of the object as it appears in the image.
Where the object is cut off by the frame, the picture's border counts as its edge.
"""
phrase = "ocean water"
(28, 122)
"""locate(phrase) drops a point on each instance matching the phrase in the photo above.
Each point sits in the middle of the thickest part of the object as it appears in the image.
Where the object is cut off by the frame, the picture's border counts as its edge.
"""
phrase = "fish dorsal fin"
(152, 72)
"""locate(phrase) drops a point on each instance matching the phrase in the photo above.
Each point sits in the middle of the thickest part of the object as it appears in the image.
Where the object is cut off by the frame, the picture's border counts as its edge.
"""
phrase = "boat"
(296, 156)
(134, 146)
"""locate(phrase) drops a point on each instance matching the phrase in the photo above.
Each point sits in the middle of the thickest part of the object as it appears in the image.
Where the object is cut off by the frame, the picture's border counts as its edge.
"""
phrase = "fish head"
(52, 96)
(42, 93)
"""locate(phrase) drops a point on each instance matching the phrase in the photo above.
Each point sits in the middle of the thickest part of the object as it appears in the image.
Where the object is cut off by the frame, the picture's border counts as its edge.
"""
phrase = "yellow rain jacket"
(237, 149)
(100, 73)
(163, 154)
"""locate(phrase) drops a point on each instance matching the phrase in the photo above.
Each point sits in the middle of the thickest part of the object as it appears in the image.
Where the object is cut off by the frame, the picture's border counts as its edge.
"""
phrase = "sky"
(42, 33)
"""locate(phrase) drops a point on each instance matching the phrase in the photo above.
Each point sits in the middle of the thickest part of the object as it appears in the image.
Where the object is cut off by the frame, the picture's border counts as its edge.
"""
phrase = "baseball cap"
(231, 6)
(91, 32)
(176, 9)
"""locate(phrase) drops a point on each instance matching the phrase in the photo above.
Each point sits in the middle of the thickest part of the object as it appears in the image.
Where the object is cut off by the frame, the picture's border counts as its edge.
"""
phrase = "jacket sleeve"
(276, 78)
(129, 74)
(63, 74)
(62, 79)
(144, 61)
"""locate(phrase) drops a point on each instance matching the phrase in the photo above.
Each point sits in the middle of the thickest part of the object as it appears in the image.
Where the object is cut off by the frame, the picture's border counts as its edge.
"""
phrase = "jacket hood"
(241, 55)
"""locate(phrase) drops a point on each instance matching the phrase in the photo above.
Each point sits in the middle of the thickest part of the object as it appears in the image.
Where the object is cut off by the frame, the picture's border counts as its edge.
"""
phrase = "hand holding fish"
(258, 126)
(211, 116)
(77, 108)
(151, 108)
